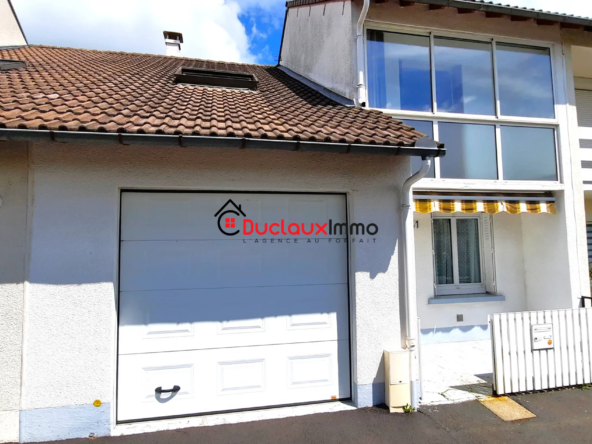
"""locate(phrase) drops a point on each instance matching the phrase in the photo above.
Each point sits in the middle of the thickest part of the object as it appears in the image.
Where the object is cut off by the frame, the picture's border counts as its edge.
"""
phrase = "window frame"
(496, 120)
(457, 288)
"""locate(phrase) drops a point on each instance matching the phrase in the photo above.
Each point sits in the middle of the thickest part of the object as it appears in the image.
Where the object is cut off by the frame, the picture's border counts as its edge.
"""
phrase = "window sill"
(465, 298)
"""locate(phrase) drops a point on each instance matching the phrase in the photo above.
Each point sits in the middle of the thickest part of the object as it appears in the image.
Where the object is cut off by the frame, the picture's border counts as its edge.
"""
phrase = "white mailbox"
(542, 336)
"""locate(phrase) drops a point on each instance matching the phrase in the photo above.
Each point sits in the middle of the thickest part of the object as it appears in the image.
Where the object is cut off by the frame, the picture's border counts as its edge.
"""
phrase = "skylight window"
(222, 79)
(6, 64)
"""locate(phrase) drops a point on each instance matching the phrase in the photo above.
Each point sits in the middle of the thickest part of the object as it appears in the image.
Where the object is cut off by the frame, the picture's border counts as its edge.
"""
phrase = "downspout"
(361, 88)
(408, 258)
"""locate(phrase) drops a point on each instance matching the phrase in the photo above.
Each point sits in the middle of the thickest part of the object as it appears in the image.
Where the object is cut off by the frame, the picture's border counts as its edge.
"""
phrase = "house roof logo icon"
(229, 222)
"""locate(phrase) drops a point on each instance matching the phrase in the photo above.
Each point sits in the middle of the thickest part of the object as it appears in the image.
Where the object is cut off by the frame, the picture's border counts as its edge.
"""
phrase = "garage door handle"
(175, 389)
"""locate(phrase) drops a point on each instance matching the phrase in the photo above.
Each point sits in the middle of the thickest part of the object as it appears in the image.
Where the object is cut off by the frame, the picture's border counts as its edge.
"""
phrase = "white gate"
(541, 350)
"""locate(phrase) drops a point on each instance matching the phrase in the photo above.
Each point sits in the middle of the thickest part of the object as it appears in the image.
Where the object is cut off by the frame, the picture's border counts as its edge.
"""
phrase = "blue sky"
(231, 30)
(264, 29)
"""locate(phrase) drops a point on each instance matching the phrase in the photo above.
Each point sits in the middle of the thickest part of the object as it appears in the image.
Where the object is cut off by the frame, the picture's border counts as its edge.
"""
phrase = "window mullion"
(498, 150)
(456, 278)
(495, 83)
(433, 75)
(436, 132)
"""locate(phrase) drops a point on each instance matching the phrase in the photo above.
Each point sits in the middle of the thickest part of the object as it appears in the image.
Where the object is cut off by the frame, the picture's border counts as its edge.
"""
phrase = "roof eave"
(515, 11)
(509, 10)
(214, 142)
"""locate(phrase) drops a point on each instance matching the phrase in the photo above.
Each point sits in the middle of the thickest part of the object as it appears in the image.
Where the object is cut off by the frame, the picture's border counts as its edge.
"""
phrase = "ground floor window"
(458, 254)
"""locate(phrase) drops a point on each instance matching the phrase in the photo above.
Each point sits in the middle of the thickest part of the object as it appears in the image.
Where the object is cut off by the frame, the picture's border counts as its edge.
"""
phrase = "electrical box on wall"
(542, 336)
(397, 380)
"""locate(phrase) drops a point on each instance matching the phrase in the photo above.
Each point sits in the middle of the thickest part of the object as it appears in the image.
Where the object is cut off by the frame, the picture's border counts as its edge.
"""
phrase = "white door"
(211, 322)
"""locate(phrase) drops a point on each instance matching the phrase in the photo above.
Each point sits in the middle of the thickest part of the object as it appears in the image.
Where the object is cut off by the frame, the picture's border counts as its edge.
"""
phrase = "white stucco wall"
(438, 321)
(547, 272)
(71, 304)
(531, 267)
(13, 230)
(576, 223)
(319, 44)
(10, 32)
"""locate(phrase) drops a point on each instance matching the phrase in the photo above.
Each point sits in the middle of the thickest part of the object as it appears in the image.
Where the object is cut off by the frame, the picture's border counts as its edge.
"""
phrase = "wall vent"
(210, 77)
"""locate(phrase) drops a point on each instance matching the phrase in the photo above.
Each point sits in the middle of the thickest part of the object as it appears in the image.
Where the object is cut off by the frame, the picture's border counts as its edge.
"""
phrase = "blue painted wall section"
(65, 423)
(455, 334)
(369, 394)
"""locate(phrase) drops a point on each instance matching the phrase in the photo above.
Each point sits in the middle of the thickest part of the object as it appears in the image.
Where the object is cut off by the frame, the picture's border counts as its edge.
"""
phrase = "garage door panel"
(193, 264)
(191, 216)
(209, 322)
(158, 321)
(231, 379)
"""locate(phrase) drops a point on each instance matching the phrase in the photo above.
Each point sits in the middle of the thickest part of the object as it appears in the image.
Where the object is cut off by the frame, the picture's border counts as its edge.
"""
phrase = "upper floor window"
(464, 76)
(403, 69)
(524, 78)
(490, 151)
(399, 71)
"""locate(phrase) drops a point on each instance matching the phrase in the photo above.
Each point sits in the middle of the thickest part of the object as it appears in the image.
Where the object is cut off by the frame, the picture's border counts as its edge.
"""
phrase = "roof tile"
(79, 89)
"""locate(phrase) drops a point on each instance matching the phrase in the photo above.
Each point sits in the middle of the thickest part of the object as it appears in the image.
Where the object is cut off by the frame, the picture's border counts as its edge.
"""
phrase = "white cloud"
(211, 28)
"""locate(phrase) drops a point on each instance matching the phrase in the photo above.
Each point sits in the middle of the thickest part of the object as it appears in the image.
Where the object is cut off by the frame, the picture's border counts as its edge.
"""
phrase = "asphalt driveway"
(562, 417)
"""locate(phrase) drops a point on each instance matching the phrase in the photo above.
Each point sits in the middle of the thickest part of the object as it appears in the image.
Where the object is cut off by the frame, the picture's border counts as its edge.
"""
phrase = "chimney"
(173, 41)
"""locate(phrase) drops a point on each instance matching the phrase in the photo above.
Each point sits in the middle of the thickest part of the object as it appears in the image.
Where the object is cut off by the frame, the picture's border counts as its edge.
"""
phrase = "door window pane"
(470, 151)
(399, 71)
(464, 76)
(524, 79)
(423, 127)
(528, 153)
(443, 251)
(469, 257)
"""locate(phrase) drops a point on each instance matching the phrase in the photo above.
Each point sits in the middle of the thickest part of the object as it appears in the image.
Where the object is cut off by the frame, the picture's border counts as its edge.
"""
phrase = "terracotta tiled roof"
(88, 90)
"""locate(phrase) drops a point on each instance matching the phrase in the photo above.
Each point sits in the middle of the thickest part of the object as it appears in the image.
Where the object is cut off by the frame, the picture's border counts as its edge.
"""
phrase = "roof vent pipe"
(173, 41)
(361, 87)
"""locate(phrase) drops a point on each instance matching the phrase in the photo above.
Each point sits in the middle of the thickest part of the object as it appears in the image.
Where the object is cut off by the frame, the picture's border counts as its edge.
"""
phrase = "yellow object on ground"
(507, 409)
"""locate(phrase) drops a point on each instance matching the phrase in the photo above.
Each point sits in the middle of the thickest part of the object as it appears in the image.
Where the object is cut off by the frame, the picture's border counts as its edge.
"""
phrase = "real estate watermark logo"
(227, 216)
(233, 220)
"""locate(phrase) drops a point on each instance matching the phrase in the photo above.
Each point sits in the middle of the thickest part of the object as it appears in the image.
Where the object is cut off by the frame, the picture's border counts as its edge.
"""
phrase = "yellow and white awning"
(487, 203)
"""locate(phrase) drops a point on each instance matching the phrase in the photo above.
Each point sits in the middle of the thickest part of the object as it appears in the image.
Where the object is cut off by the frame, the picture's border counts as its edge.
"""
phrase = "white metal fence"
(541, 350)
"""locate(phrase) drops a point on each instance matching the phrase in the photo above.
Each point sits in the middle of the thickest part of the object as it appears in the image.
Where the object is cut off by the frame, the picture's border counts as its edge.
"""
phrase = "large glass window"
(501, 95)
(528, 153)
(399, 71)
(524, 78)
(470, 151)
(464, 76)
(400, 76)
(457, 255)
(423, 127)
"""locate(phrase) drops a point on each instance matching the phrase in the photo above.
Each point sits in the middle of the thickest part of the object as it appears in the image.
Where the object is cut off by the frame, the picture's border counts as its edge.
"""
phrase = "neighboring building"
(151, 269)
(583, 84)
(11, 33)
(495, 84)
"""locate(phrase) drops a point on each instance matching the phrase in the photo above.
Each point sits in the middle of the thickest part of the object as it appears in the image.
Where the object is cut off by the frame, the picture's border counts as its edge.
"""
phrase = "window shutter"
(584, 106)
(488, 254)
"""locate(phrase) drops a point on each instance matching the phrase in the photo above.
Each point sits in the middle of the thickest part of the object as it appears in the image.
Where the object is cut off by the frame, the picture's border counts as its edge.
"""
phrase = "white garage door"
(210, 322)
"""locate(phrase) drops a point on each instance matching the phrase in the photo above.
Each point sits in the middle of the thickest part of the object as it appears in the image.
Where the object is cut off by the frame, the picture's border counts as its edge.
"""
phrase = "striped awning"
(484, 203)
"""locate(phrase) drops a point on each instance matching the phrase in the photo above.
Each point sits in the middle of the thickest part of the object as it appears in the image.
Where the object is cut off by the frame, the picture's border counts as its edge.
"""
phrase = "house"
(137, 297)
